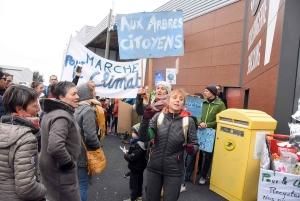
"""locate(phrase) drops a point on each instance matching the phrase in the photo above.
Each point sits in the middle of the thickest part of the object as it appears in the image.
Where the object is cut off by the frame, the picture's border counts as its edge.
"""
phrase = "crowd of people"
(42, 130)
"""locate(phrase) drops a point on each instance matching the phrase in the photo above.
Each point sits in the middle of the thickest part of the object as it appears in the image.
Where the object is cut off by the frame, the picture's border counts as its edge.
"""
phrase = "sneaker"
(201, 181)
(129, 199)
(127, 175)
(182, 189)
(139, 199)
(125, 141)
(110, 131)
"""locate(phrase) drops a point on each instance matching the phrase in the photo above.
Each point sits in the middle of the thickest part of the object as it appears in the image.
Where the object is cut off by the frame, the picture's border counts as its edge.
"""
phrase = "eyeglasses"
(8, 80)
(4, 78)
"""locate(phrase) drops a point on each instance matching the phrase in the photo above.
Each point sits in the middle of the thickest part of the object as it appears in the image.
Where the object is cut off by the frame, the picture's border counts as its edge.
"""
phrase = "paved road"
(111, 185)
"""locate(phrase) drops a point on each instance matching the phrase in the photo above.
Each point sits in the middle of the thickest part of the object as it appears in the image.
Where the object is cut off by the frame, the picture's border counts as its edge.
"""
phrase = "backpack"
(185, 125)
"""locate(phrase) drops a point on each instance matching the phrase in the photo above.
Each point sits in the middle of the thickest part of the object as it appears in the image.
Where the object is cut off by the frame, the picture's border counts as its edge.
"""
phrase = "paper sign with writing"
(206, 139)
(278, 186)
(112, 79)
(194, 106)
(150, 34)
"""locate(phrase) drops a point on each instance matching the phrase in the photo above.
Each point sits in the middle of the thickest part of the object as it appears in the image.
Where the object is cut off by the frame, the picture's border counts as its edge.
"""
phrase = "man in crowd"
(2, 83)
(52, 80)
(212, 105)
(9, 79)
(221, 95)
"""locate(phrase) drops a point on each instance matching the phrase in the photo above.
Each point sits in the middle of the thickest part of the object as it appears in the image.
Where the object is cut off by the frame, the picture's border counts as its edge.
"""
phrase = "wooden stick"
(196, 166)
(142, 72)
(150, 80)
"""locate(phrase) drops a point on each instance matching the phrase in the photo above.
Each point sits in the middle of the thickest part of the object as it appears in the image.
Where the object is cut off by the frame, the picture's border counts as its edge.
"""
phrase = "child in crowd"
(137, 164)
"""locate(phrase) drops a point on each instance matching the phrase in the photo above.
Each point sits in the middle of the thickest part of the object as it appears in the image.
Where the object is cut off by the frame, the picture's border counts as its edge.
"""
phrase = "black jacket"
(167, 155)
(223, 99)
(136, 156)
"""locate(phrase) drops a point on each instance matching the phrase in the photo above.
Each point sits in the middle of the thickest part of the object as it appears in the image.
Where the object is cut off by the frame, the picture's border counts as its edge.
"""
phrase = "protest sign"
(206, 139)
(194, 106)
(112, 79)
(150, 34)
(278, 186)
(158, 76)
(171, 75)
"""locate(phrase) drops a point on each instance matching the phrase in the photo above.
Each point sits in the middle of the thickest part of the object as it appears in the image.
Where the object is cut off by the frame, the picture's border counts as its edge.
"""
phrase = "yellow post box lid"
(250, 119)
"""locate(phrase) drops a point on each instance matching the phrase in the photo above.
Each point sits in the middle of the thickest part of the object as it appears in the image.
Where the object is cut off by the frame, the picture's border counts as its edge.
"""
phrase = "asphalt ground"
(111, 184)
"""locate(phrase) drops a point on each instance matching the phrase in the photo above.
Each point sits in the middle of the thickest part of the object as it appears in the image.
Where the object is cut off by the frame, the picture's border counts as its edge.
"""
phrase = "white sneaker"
(202, 181)
(139, 199)
(182, 189)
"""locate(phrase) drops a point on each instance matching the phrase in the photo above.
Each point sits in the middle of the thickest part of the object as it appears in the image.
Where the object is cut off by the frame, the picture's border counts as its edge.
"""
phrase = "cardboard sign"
(278, 186)
(206, 139)
(124, 117)
(151, 34)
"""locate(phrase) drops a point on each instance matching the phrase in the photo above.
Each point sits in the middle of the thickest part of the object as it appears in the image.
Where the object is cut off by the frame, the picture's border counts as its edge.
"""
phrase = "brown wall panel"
(198, 76)
(202, 40)
(195, 89)
(203, 23)
(184, 61)
(231, 13)
(227, 34)
(227, 54)
(200, 58)
(228, 75)
(262, 91)
(187, 28)
(182, 76)
(233, 97)
(187, 43)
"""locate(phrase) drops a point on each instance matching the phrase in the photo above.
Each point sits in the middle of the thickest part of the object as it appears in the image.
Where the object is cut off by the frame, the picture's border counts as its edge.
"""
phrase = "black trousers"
(155, 182)
(207, 157)
(136, 184)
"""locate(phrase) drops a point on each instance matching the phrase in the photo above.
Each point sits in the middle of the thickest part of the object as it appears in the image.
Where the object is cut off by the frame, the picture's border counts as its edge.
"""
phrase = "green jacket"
(210, 111)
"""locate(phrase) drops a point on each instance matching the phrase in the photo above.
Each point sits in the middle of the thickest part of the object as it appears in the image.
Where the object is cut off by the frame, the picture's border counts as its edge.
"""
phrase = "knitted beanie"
(167, 85)
(213, 89)
(84, 92)
(136, 128)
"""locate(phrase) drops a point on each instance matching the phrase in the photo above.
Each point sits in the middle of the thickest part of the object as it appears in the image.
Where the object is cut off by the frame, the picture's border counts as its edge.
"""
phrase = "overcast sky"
(34, 33)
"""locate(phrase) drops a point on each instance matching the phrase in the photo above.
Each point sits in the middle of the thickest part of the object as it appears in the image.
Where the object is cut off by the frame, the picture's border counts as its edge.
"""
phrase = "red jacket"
(116, 108)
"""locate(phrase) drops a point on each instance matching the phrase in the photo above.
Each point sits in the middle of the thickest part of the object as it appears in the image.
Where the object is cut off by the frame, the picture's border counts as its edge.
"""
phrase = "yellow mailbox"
(240, 137)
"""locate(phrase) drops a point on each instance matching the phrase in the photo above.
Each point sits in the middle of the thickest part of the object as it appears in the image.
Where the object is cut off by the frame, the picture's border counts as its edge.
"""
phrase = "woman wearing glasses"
(2, 83)
(60, 144)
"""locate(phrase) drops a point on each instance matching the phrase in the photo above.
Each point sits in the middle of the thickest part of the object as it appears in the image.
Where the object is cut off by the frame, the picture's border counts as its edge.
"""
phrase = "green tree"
(37, 77)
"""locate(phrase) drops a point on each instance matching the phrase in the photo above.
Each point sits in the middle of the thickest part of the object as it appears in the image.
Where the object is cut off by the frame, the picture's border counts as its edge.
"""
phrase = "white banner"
(278, 186)
(112, 79)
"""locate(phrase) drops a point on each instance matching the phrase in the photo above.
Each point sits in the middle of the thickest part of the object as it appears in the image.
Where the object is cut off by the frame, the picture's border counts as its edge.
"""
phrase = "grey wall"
(288, 67)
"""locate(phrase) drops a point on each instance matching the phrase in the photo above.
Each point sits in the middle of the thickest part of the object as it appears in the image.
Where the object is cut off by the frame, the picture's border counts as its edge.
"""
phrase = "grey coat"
(18, 161)
(60, 149)
(86, 119)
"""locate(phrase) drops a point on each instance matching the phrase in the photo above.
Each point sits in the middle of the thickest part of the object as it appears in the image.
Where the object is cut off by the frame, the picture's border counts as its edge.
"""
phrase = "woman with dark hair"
(86, 117)
(39, 87)
(60, 144)
(18, 145)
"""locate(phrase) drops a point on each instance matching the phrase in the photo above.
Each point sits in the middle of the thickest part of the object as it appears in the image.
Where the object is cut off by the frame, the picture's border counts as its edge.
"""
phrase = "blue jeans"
(190, 166)
(83, 179)
(184, 168)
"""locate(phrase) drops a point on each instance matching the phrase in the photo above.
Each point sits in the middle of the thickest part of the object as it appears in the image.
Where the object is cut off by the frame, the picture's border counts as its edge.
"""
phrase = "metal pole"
(108, 36)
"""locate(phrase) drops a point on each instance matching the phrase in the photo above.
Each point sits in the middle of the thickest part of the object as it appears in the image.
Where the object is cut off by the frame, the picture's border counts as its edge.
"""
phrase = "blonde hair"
(178, 91)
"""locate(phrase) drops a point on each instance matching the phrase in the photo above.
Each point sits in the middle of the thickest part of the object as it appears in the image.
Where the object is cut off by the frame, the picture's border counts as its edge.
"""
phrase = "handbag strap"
(83, 144)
